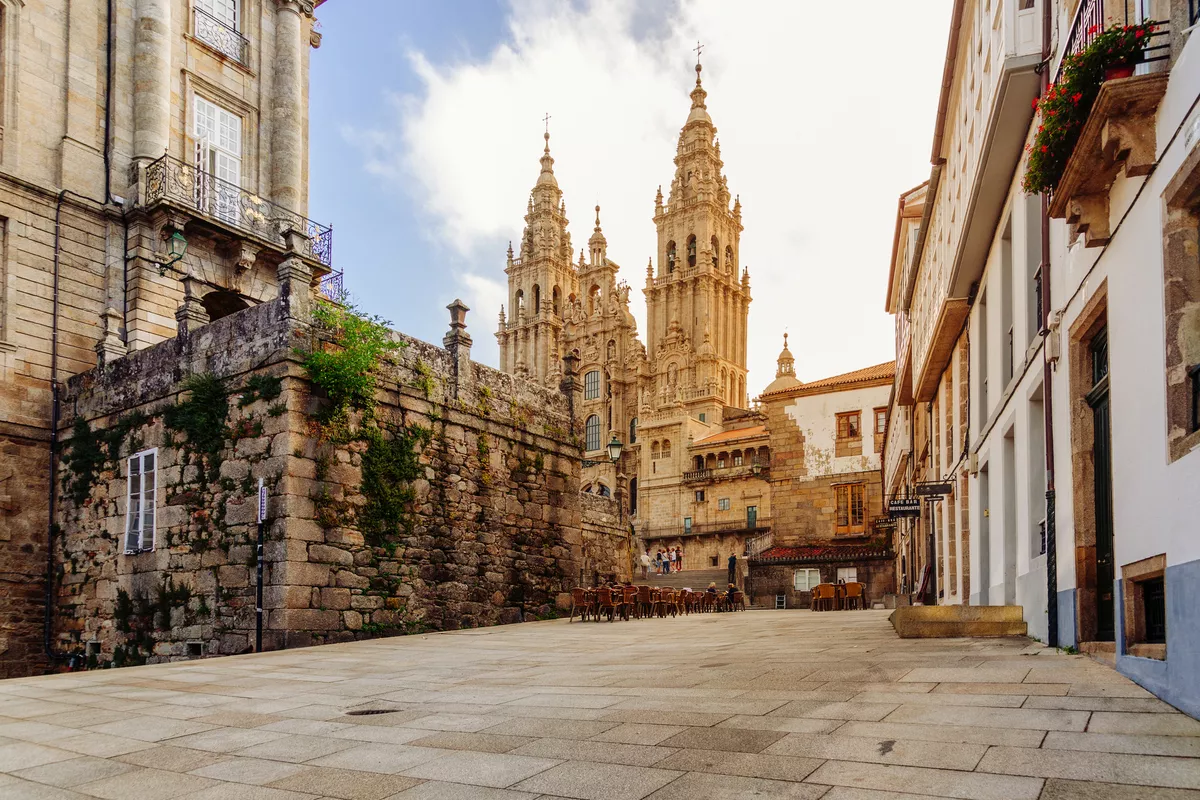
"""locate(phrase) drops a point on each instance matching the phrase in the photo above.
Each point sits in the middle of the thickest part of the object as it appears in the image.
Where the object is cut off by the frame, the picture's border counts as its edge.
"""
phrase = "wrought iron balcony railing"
(761, 524)
(220, 36)
(1090, 21)
(173, 181)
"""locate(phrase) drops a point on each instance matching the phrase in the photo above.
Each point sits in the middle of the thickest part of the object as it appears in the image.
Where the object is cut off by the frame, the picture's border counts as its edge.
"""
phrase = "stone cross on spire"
(699, 48)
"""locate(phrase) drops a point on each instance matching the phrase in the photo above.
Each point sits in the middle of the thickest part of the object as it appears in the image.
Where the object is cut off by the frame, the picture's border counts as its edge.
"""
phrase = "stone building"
(129, 130)
(1065, 324)
(827, 522)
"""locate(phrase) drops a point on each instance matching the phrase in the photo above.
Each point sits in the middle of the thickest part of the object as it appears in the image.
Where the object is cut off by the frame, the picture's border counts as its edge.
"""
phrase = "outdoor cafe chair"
(645, 601)
(824, 595)
(739, 601)
(581, 602)
(629, 602)
(854, 596)
(605, 604)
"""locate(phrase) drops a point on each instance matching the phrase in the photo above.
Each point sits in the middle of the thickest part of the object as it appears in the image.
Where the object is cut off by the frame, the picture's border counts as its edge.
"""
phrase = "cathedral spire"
(785, 364)
(598, 244)
(547, 174)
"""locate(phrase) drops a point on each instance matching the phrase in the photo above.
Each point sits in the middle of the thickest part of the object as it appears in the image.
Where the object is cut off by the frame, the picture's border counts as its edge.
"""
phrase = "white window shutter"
(133, 507)
(149, 498)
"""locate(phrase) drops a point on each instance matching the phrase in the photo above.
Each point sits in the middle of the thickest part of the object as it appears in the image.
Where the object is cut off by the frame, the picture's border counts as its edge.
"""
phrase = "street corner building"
(1045, 287)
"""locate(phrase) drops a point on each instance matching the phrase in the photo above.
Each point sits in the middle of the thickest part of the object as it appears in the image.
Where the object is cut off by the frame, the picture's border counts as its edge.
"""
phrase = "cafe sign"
(904, 507)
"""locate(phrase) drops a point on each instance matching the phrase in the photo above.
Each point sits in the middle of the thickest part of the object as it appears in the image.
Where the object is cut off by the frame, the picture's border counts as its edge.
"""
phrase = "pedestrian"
(645, 561)
(658, 563)
(679, 558)
(733, 568)
(671, 560)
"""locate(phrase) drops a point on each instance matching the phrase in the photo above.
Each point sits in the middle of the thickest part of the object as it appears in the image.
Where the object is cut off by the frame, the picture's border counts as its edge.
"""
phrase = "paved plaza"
(764, 704)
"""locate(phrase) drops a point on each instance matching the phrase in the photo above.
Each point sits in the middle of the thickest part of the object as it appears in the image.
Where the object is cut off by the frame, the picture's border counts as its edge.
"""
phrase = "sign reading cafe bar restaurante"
(904, 507)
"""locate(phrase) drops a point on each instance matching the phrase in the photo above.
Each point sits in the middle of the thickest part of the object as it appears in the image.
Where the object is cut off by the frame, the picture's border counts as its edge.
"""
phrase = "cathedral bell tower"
(698, 301)
(542, 284)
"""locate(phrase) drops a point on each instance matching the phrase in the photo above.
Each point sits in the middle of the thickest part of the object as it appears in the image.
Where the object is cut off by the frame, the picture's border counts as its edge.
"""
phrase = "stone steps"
(933, 622)
(688, 579)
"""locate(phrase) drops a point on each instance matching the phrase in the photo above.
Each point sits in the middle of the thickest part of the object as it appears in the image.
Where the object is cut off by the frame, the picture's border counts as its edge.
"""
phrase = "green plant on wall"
(389, 466)
(202, 416)
(348, 373)
(90, 449)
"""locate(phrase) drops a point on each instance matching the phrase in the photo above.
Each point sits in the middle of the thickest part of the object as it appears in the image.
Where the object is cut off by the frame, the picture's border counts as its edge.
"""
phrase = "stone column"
(458, 342)
(287, 106)
(191, 313)
(151, 79)
(110, 347)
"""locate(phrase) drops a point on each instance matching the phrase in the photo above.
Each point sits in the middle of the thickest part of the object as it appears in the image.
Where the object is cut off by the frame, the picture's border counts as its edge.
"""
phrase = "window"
(880, 420)
(603, 491)
(847, 574)
(654, 451)
(687, 524)
(633, 430)
(666, 451)
(224, 11)
(141, 506)
(592, 433)
(699, 495)
(703, 417)
(847, 425)
(218, 134)
(850, 511)
(591, 385)
(723, 504)
(804, 580)
(737, 459)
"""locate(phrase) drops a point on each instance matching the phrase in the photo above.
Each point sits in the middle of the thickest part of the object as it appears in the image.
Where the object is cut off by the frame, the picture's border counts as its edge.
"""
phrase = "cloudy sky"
(426, 129)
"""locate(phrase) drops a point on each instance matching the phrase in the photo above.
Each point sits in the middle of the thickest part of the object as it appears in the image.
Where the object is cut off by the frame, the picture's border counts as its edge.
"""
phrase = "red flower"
(1139, 34)
(1092, 29)
(1075, 98)
(1044, 148)
(1035, 102)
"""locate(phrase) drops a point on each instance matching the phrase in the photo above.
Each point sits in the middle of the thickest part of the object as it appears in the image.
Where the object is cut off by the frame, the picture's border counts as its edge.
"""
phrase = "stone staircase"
(688, 579)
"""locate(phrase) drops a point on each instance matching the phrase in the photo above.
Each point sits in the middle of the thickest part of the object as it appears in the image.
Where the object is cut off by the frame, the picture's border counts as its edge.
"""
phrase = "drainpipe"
(1047, 375)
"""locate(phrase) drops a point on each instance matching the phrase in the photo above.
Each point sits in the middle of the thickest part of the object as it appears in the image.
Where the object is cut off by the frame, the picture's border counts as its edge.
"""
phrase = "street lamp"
(176, 249)
(614, 448)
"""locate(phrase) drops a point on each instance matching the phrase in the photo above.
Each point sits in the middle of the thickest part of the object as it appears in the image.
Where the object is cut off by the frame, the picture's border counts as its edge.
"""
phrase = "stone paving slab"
(783, 704)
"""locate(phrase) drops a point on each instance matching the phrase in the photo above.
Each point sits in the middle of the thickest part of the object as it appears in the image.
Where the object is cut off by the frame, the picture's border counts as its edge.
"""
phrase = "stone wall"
(607, 541)
(768, 579)
(491, 521)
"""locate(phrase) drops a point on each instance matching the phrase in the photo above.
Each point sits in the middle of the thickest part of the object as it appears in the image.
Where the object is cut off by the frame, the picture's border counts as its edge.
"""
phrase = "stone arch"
(593, 299)
(556, 300)
(691, 250)
(716, 252)
(729, 266)
(537, 299)
(670, 256)
(518, 303)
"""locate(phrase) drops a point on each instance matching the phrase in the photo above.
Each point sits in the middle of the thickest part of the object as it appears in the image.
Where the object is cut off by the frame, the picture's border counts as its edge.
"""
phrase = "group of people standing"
(664, 562)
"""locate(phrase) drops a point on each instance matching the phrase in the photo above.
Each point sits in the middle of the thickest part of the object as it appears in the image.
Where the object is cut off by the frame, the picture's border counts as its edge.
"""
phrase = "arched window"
(670, 257)
(691, 251)
(592, 433)
(591, 385)
(666, 451)
(537, 299)
(556, 299)
(593, 299)
(728, 259)
(603, 491)
(654, 451)
(519, 302)
(716, 253)
(633, 430)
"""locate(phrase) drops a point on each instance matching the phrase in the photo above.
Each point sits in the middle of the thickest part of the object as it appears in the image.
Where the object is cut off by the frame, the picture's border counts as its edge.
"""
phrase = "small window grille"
(1155, 607)
(780, 601)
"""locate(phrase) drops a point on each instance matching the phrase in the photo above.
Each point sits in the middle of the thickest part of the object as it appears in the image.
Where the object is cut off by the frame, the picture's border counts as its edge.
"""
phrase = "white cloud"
(823, 120)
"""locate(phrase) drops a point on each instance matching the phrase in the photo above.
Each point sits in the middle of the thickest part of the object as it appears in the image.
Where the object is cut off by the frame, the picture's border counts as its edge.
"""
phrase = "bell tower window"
(670, 257)
(716, 253)
(691, 251)
(728, 259)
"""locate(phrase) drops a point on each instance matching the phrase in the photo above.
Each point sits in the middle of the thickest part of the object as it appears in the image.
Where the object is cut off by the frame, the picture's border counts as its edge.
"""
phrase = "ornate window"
(592, 433)
(537, 299)
(633, 430)
(851, 511)
(141, 501)
(666, 449)
(670, 257)
(691, 251)
(591, 385)
(716, 253)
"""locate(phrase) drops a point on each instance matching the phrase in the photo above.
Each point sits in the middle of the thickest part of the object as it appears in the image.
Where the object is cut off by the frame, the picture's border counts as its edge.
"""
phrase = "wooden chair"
(739, 601)
(839, 601)
(855, 596)
(645, 600)
(629, 602)
(581, 602)
(605, 604)
(824, 595)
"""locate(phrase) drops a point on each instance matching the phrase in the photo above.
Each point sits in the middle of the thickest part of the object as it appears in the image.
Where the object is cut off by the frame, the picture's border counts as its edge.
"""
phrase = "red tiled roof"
(737, 433)
(884, 371)
(823, 553)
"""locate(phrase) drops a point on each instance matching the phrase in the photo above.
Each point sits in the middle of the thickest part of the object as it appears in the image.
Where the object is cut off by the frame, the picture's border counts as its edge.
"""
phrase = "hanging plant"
(1064, 108)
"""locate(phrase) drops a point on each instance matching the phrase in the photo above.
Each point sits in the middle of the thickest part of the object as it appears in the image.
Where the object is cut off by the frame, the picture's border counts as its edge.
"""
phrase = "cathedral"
(687, 382)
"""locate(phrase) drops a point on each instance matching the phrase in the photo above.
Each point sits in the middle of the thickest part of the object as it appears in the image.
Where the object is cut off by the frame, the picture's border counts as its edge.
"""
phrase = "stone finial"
(458, 342)
(191, 313)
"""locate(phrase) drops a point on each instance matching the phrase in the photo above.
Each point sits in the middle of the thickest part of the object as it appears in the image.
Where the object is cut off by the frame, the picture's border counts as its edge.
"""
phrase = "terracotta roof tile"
(823, 553)
(884, 371)
(729, 436)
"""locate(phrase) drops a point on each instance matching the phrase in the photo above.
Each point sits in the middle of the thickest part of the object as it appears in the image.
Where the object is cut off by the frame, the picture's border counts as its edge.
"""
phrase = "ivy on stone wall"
(90, 450)
(202, 418)
(390, 464)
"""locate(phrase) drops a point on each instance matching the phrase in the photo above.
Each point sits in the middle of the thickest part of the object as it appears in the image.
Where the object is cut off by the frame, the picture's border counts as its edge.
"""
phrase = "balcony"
(220, 37)
(725, 473)
(226, 206)
(759, 525)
